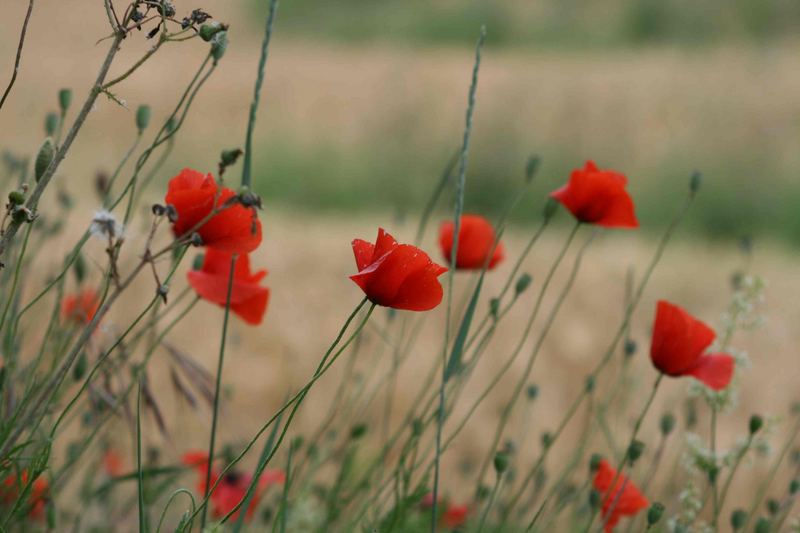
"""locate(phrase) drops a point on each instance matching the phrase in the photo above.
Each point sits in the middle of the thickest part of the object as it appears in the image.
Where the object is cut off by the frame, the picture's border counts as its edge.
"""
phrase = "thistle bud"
(523, 282)
(654, 514)
(64, 99)
(667, 423)
(219, 44)
(358, 431)
(79, 370)
(142, 117)
(44, 158)
(16, 198)
(531, 167)
(50, 124)
(635, 451)
(738, 519)
(695, 181)
(756, 423)
(550, 208)
(500, 462)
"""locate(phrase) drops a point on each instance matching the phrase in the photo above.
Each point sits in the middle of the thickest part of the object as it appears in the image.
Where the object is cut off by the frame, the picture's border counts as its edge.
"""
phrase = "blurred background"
(364, 104)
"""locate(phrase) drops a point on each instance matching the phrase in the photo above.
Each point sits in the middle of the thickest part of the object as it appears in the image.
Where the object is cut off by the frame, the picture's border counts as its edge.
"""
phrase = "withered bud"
(172, 213)
(159, 210)
(196, 239)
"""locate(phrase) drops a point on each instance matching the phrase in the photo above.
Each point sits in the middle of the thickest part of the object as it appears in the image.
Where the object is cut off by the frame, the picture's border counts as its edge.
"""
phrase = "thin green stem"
(139, 472)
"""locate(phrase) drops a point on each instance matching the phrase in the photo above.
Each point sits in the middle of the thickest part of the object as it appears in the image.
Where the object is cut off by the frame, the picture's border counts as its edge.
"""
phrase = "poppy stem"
(217, 388)
(251, 122)
(139, 472)
(490, 503)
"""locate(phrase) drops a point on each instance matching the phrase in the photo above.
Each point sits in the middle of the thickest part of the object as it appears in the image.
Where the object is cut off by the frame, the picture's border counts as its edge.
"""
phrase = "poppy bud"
(416, 427)
(43, 158)
(550, 208)
(635, 451)
(547, 439)
(483, 492)
(219, 43)
(594, 499)
(358, 431)
(794, 486)
(172, 213)
(594, 462)
(738, 519)
(695, 181)
(691, 414)
(630, 347)
(763, 525)
(209, 30)
(162, 292)
(142, 117)
(523, 283)
(500, 462)
(64, 99)
(50, 124)
(79, 370)
(590, 383)
(531, 167)
(297, 443)
(654, 514)
(79, 268)
(773, 506)
(16, 198)
(197, 263)
(756, 422)
(171, 125)
(713, 473)
(532, 391)
(494, 307)
(667, 423)
(196, 239)
(229, 157)
(159, 210)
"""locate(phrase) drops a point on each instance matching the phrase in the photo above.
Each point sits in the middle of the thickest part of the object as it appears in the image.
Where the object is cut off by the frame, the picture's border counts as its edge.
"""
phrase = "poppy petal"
(363, 252)
(714, 370)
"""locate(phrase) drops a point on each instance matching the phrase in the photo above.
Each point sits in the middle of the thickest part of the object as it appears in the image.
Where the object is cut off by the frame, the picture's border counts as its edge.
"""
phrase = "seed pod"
(44, 158)
(50, 124)
(64, 99)
(142, 117)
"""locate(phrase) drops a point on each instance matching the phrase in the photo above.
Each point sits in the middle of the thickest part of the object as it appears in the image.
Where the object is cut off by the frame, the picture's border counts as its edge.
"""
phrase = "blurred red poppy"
(454, 516)
(37, 498)
(395, 275)
(234, 229)
(80, 308)
(625, 499)
(248, 298)
(599, 197)
(112, 463)
(475, 242)
(678, 346)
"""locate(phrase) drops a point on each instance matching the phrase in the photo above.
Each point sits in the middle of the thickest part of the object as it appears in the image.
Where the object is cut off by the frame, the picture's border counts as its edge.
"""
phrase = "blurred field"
(352, 136)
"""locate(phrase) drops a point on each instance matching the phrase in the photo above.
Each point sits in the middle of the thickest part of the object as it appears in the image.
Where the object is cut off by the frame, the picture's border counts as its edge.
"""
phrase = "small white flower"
(104, 226)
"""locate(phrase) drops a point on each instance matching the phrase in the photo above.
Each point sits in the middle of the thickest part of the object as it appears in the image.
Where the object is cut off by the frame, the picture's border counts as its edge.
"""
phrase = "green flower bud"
(532, 391)
(197, 263)
(550, 208)
(209, 30)
(172, 124)
(219, 44)
(594, 462)
(494, 307)
(531, 167)
(358, 431)
(500, 462)
(79, 268)
(763, 525)
(416, 427)
(483, 492)
(756, 423)
(667, 423)
(635, 451)
(16, 198)
(794, 486)
(64, 99)
(523, 282)
(738, 519)
(773, 506)
(630, 347)
(654, 514)
(44, 158)
(594, 499)
(713, 473)
(590, 381)
(142, 117)
(79, 370)
(50, 124)
(297, 443)
(694, 182)
(229, 157)
(547, 439)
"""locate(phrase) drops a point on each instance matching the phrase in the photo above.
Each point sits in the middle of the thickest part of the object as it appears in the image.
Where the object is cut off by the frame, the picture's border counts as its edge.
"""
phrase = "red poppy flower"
(395, 275)
(454, 516)
(599, 197)
(475, 241)
(678, 346)
(37, 498)
(628, 502)
(233, 487)
(80, 308)
(248, 298)
(112, 463)
(234, 229)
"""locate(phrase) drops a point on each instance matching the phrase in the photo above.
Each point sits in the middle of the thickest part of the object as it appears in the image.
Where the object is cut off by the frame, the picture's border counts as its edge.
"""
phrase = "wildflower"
(112, 463)
(476, 239)
(233, 228)
(232, 488)
(678, 346)
(37, 498)
(80, 308)
(454, 516)
(395, 275)
(105, 226)
(624, 499)
(599, 197)
(248, 298)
